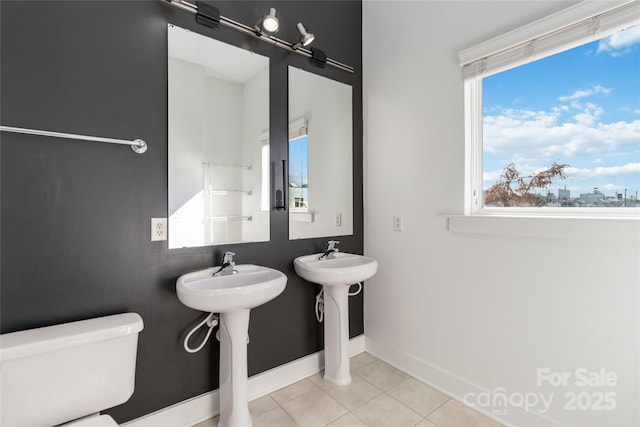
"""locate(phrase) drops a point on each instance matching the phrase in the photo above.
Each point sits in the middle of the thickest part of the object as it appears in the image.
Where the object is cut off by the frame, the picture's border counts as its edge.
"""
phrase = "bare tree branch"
(513, 189)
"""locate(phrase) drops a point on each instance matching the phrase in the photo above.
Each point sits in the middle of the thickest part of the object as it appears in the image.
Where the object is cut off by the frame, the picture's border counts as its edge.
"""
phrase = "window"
(298, 166)
(553, 120)
(298, 174)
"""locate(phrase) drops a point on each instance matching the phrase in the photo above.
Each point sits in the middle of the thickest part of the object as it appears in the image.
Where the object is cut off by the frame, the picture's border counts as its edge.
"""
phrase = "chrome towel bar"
(137, 145)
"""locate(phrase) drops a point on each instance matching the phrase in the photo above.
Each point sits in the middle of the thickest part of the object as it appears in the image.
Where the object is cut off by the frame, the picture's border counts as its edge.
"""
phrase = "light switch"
(398, 224)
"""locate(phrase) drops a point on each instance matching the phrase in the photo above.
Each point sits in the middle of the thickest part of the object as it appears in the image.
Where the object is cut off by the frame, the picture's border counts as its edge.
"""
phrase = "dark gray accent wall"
(75, 216)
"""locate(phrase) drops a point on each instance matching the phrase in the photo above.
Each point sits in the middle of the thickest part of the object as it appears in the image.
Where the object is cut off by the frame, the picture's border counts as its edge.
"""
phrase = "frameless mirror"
(320, 156)
(219, 169)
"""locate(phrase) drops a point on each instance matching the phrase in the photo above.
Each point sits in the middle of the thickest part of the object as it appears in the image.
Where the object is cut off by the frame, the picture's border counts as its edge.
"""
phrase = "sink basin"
(344, 269)
(250, 287)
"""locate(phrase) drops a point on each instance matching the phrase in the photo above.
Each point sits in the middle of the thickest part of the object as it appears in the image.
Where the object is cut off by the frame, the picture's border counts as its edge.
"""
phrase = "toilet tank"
(56, 374)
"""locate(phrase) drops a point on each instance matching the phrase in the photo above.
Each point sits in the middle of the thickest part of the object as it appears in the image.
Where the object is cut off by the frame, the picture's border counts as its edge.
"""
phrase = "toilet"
(66, 374)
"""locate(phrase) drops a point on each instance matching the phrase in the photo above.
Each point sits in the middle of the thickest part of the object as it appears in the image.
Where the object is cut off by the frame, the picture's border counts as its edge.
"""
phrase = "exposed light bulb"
(269, 22)
(305, 38)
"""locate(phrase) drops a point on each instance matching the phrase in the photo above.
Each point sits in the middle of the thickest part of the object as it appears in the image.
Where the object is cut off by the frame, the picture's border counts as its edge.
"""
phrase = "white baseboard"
(449, 384)
(205, 406)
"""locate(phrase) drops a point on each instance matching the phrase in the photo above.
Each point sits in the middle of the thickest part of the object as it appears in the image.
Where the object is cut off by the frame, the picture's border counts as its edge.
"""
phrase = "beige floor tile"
(359, 360)
(315, 408)
(318, 379)
(381, 375)
(454, 413)
(211, 422)
(348, 420)
(292, 391)
(274, 418)
(426, 423)
(418, 396)
(261, 405)
(352, 395)
(386, 411)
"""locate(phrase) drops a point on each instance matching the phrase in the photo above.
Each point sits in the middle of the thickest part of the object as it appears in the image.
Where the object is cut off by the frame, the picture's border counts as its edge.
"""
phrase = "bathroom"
(453, 309)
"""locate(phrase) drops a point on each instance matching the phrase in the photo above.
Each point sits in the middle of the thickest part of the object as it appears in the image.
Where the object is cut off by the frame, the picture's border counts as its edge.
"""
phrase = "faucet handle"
(228, 258)
(332, 245)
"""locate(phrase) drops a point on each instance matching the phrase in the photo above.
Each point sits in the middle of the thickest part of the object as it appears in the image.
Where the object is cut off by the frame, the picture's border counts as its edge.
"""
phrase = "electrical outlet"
(398, 224)
(338, 220)
(158, 229)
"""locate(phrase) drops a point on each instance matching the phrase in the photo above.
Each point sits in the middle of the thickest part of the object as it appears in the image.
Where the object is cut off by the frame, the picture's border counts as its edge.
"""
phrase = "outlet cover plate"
(158, 229)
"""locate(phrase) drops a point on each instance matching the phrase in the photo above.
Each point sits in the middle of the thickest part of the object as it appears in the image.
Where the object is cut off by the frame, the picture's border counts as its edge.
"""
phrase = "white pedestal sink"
(336, 276)
(233, 296)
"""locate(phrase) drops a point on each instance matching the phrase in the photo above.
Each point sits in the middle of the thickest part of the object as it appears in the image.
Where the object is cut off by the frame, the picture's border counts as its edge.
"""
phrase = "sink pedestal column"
(336, 334)
(234, 404)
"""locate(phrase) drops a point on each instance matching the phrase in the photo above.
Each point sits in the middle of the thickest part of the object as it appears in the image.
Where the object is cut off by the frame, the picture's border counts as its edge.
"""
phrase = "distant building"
(564, 194)
(592, 199)
(550, 198)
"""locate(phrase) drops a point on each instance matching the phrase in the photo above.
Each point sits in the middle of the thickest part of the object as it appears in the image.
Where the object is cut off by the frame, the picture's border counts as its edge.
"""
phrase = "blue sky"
(580, 107)
(298, 161)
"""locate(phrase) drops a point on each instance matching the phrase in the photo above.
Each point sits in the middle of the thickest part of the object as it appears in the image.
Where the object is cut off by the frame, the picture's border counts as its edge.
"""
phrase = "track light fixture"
(268, 23)
(305, 38)
(318, 58)
(209, 15)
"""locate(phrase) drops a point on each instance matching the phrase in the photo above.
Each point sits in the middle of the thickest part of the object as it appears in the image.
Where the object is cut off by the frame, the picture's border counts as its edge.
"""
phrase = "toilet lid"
(99, 421)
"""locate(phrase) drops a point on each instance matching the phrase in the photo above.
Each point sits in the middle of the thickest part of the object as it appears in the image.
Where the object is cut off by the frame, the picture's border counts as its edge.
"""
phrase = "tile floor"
(379, 395)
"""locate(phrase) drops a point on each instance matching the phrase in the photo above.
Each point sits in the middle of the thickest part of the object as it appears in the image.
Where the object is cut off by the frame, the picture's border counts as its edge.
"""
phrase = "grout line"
(403, 404)
(289, 415)
(358, 418)
(441, 405)
(349, 411)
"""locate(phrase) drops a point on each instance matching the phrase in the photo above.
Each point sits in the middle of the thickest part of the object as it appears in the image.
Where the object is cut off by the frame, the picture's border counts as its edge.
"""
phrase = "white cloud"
(491, 176)
(543, 137)
(609, 187)
(621, 42)
(585, 92)
(602, 171)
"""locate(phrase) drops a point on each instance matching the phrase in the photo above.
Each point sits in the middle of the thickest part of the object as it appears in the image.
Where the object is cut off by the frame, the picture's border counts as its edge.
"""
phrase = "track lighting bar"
(238, 26)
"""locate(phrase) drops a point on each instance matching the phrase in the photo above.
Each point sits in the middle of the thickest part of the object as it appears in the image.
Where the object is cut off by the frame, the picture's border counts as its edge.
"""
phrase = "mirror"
(219, 169)
(320, 195)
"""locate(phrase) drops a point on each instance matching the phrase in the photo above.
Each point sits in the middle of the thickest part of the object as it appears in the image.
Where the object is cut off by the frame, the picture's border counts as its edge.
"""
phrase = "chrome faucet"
(330, 253)
(227, 266)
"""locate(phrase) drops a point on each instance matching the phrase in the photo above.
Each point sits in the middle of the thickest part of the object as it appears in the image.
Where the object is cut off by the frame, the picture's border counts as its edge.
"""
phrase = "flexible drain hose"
(358, 291)
(212, 321)
(320, 306)
(320, 302)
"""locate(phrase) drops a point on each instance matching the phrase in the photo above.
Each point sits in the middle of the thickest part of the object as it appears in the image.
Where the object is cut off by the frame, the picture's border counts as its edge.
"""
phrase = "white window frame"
(571, 27)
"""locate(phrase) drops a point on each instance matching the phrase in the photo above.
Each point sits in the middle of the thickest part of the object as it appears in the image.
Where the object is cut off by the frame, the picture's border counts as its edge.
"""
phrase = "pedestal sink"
(233, 296)
(336, 275)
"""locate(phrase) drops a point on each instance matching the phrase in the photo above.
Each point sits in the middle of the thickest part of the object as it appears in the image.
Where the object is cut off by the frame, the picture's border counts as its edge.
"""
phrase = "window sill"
(619, 229)
(298, 216)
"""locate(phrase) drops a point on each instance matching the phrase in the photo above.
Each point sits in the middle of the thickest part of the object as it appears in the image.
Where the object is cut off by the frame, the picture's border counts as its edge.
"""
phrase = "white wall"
(255, 127)
(203, 129)
(187, 133)
(470, 312)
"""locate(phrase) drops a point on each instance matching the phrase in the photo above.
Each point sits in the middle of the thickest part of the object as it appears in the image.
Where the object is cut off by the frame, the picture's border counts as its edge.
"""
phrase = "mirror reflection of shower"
(218, 127)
